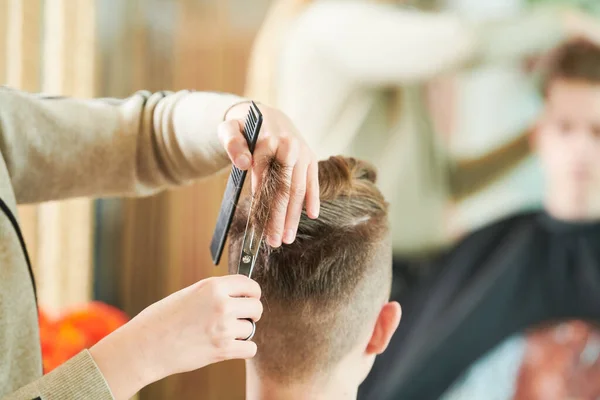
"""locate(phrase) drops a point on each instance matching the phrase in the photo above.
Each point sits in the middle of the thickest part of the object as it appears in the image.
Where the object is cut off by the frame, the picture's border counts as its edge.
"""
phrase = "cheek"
(551, 148)
(596, 160)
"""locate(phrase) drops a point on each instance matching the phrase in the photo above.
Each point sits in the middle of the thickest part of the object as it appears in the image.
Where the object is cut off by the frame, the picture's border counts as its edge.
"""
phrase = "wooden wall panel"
(23, 49)
(49, 45)
(65, 237)
(121, 46)
(57, 235)
(4, 8)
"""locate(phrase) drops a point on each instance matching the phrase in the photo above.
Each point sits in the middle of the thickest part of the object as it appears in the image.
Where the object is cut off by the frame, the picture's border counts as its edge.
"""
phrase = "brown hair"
(322, 289)
(575, 60)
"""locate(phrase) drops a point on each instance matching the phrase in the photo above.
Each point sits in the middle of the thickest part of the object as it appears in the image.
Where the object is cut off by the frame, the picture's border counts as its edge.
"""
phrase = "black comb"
(234, 187)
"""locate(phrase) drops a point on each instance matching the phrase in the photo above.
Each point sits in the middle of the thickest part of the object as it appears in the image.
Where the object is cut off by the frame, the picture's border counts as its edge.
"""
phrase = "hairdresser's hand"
(278, 137)
(199, 325)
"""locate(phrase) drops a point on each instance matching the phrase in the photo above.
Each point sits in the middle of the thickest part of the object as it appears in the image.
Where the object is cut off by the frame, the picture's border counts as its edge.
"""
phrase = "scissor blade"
(246, 264)
(250, 247)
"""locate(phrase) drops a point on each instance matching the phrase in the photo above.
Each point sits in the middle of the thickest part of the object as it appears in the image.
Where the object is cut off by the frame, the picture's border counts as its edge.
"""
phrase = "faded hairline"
(307, 327)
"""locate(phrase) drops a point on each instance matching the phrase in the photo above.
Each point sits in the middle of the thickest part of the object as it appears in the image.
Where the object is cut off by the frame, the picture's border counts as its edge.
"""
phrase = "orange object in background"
(81, 328)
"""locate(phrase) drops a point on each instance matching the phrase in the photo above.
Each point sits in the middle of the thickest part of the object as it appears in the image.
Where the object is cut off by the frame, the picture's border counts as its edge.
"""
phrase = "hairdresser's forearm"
(78, 378)
(381, 45)
(530, 33)
(124, 363)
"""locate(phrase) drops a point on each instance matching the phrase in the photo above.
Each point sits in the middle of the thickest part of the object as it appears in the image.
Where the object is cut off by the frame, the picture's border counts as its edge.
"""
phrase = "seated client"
(326, 296)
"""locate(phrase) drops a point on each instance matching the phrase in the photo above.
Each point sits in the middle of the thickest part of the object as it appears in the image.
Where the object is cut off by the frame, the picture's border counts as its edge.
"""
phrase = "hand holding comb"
(235, 183)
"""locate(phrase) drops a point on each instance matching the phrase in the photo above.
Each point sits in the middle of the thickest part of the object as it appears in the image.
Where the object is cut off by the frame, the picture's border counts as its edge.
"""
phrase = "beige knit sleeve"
(55, 148)
(532, 33)
(385, 45)
(78, 378)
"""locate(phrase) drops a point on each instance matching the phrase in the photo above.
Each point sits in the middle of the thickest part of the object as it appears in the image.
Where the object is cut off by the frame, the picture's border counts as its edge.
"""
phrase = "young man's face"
(568, 137)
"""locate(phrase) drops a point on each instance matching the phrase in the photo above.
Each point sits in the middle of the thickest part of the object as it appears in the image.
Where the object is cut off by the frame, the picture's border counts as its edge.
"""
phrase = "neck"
(262, 388)
(573, 205)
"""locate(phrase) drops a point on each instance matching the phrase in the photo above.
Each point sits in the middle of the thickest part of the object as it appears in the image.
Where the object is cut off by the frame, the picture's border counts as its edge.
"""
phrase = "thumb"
(232, 139)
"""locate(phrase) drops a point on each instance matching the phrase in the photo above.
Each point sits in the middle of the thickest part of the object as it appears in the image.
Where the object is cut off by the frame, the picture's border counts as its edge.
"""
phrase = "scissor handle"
(246, 263)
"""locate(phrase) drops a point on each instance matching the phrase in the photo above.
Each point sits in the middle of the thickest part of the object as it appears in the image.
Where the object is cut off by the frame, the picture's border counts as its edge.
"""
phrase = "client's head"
(325, 296)
(567, 137)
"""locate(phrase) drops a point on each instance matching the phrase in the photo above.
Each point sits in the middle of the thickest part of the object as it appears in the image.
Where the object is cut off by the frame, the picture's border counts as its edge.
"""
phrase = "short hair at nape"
(320, 292)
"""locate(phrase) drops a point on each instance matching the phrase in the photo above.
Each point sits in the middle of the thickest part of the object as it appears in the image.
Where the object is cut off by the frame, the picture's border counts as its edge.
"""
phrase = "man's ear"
(387, 322)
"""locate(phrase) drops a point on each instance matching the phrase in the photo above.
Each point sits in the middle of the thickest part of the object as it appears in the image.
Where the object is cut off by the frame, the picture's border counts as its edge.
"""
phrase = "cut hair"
(577, 60)
(322, 291)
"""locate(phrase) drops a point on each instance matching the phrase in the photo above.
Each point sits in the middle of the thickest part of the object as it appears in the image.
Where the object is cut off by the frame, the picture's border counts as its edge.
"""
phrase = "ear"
(387, 322)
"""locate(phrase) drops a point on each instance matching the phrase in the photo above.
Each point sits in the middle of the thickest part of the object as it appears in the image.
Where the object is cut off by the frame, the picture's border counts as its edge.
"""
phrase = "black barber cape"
(511, 305)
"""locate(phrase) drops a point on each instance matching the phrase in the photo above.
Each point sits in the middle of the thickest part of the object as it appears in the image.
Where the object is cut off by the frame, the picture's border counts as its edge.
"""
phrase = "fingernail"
(275, 240)
(289, 236)
(243, 162)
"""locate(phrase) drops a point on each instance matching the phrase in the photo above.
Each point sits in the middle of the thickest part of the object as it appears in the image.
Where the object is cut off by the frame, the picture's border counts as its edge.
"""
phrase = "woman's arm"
(56, 148)
(78, 378)
(202, 324)
(386, 45)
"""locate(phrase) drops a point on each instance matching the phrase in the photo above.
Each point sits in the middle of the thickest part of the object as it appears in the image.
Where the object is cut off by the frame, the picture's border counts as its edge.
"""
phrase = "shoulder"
(500, 228)
(471, 251)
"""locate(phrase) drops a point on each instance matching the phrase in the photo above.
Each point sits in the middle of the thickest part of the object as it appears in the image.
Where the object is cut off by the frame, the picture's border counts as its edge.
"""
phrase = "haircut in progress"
(325, 290)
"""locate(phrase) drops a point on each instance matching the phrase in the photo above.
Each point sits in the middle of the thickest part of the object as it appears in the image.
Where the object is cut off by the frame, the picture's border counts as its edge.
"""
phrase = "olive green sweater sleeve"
(57, 148)
(78, 378)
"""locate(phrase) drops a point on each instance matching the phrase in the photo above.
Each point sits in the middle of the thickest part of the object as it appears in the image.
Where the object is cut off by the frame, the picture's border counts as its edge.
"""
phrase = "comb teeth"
(250, 127)
(236, 176)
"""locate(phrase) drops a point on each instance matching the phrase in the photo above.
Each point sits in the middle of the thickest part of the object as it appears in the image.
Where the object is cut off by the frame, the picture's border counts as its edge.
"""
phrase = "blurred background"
(130, 253)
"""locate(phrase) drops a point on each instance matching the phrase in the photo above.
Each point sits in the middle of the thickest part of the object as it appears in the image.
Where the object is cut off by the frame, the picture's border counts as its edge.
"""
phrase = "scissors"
(250, 246)
(235, 183)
